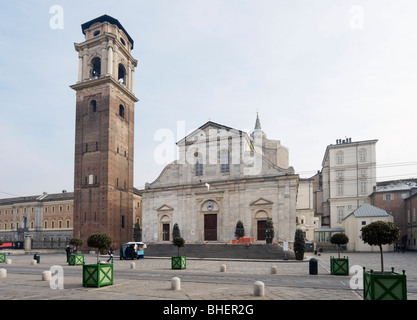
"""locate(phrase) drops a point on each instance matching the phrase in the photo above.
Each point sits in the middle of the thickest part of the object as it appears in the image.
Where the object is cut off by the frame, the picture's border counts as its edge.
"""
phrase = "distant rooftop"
(366, 211)
(395, 185)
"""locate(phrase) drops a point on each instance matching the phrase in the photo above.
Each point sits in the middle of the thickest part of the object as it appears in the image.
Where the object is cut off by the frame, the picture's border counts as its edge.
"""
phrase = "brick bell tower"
(104, 132)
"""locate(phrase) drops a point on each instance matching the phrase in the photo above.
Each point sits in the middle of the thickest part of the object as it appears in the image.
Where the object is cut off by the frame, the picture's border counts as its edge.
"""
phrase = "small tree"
(77, 242)
(240, 230)
(137, 232)
(379, 233)
(299, 244)
(99, 241)
(1, 242)
(339, 239)
(269, 230)
(176, 231)
(178, 242)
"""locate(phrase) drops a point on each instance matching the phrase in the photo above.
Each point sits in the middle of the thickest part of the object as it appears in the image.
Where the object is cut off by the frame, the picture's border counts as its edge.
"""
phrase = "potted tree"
(99, 274)
(299, 244)
(269, 231)
(76, 259)
(339, 265)
(178, 262)
(382, 285)
(240, 230)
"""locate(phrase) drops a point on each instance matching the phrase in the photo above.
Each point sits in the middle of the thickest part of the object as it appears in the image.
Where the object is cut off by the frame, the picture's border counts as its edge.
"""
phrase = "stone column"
(110, 59)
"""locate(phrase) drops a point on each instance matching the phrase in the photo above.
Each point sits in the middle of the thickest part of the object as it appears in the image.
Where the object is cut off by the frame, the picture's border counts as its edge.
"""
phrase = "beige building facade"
(222, 175)
(348, 178)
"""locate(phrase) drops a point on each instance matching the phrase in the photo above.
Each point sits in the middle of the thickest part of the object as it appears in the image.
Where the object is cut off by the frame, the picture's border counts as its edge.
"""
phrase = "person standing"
(68, 250)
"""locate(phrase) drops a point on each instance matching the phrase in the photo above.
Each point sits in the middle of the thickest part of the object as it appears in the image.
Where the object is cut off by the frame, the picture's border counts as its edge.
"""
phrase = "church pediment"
(261, 202)
(165, 208)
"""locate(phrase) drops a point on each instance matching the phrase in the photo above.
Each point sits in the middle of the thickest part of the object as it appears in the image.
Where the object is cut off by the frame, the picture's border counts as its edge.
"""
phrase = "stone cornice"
(84, 84)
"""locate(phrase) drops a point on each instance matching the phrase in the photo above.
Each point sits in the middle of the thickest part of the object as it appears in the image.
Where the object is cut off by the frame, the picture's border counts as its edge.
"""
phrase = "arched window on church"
(121, 74)
(224, 161)
(96, 67)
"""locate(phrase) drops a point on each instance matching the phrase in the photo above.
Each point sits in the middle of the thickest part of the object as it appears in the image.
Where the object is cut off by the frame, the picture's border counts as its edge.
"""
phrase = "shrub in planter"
(178, 262)
(382, 285)
(299, 245)
(100, 274)
(339, 265)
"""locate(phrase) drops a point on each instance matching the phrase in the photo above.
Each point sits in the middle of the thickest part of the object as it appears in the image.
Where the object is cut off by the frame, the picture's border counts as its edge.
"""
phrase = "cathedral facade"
(222, 175)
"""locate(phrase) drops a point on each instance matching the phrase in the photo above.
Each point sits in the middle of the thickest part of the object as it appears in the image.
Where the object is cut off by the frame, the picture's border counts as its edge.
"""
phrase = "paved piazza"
(201, 280)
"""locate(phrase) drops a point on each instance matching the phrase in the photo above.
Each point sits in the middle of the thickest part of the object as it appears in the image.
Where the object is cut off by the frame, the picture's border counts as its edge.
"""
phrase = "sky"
(314, 70)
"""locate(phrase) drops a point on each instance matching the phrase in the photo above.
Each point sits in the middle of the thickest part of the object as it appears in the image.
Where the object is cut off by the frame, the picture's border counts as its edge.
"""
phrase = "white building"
(359, 218)
(222, 175)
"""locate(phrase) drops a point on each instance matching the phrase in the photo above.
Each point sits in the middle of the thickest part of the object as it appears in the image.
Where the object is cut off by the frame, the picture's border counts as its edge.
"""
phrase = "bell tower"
(104, 132)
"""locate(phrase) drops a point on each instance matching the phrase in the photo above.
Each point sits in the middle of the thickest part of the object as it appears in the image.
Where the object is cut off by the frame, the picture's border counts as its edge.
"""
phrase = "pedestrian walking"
(111, 255)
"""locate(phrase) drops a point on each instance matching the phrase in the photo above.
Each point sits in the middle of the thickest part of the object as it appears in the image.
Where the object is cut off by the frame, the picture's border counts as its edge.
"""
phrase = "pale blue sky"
(316, 70)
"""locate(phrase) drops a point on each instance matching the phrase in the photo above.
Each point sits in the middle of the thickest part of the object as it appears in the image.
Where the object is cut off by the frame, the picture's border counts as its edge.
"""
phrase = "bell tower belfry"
(104, 132)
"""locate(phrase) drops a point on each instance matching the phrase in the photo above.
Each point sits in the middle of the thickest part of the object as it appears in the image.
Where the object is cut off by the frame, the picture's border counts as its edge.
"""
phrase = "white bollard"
(8, 261)
(176, 284)
(274, 270)
(46, 276)
(3, 273)
(132, 265)
(223, 268)
(259, 289)
(34, 262)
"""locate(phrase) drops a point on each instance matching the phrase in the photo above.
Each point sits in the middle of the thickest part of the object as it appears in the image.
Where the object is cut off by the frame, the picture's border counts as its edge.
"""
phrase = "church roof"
(106, 18)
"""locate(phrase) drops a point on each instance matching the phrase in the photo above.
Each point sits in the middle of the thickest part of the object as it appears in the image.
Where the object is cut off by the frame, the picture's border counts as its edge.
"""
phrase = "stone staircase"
(217, 250)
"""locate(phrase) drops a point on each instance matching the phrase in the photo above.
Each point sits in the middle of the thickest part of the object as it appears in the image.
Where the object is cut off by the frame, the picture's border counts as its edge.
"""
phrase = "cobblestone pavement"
(201, 280)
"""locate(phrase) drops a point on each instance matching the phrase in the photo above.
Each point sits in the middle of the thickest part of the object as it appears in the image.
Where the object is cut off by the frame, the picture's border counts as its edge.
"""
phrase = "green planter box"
(339, 266)
(76, 259)
(2, 257)
(97, 275)
(179, 262)
(387, 286)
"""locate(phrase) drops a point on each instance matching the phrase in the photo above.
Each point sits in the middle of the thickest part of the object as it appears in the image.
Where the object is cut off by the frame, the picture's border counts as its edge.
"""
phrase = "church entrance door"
(210, 227)
(261, 229)
(165, 232)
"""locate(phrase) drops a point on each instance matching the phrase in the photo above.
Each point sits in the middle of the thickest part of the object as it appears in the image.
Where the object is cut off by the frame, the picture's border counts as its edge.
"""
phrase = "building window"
(198, 168)
(224, 160)
(362, 155)
(122, 74)
(93, 106)
(68, 224)
(121, 111)
(363, 186)
(96, 67)
(363, 223)
(340, 189)
(45, 224)
(340, 213)
(339, 157)
(388, 196)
